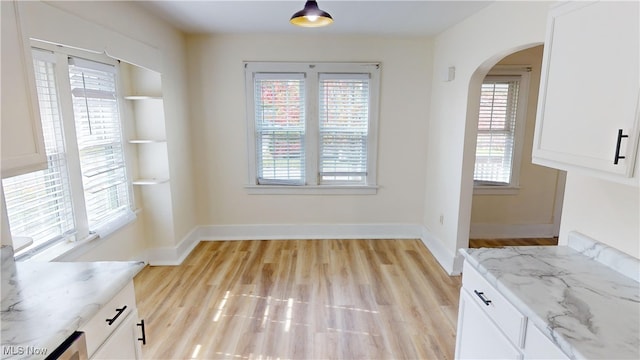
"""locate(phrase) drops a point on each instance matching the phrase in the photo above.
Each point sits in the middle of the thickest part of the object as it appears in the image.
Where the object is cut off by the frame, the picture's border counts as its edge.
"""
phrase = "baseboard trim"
(172, 256)
(313, 231)
(451, 263)
(510, 231)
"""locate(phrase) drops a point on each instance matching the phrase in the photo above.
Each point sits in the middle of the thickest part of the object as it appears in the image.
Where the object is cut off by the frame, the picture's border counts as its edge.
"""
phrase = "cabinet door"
(478, 337)
(123, 342)
(589, 89)
(22, 141)
(538, 346)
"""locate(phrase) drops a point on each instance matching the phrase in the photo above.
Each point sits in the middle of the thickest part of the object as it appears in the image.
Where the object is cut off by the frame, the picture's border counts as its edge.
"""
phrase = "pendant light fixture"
(311, 16)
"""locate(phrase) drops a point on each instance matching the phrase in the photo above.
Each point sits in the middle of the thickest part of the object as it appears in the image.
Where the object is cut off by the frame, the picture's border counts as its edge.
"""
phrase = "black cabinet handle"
(481, 296)
(144, 334)
(617, 156)
(120, 311)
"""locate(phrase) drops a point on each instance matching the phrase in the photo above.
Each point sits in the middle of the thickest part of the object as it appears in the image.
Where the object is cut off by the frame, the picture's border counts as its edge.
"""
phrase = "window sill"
(496, 190)
(59, 250)
(72, 247)
(312, 190)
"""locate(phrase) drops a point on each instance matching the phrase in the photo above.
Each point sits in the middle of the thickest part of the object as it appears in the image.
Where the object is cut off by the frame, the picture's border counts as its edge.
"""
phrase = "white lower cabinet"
(115, 332)
(538, 346)
(478, 337)
(122, 343)
(490, 327)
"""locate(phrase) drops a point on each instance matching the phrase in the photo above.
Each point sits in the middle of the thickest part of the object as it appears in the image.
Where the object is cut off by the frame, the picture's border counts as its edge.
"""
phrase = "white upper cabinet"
(22, 142)
(589, 91)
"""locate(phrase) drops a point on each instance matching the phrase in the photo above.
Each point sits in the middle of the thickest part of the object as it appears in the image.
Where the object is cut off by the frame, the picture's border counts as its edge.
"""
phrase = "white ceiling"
(412, 18)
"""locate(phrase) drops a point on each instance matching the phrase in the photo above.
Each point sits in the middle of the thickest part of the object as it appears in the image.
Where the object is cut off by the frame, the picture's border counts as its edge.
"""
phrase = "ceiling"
(403, 18)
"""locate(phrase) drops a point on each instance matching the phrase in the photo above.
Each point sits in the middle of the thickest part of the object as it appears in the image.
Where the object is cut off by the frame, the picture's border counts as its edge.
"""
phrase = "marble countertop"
(44, 303)
(585, 297)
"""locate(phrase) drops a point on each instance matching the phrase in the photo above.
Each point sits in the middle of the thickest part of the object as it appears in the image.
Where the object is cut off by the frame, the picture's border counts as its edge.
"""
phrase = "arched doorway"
(526, 211)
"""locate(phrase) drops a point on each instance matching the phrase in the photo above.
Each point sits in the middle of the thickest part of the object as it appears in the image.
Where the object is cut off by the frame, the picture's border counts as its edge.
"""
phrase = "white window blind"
(313, 126)
(496, 130)
(99, 136)
(84, 192)
(39, 203)
(280, 128)
(344, 125)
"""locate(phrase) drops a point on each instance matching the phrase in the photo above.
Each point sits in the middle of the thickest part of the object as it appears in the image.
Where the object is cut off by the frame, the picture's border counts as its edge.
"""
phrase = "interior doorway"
(524, 206)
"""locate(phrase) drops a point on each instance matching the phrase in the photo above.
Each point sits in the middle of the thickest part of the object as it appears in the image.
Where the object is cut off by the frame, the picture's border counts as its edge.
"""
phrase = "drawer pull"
(481, 296)
(120, 311)
(617, 155)
(144, 334)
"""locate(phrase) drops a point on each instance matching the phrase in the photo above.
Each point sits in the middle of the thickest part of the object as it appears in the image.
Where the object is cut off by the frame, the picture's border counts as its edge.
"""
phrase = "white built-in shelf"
(149, 181)
(147, 141)
(142, 97)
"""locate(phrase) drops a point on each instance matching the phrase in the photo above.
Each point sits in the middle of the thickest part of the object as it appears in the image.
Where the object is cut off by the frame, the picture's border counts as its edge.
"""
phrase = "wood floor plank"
(478, 243)
(300, 299)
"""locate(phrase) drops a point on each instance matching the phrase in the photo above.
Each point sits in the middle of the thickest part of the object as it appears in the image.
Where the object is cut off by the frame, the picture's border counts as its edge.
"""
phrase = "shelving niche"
(147, 148)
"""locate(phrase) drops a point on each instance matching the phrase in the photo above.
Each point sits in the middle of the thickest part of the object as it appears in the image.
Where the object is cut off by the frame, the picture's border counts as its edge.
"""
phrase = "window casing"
(85, 191)
(501, 123)
(312, 127)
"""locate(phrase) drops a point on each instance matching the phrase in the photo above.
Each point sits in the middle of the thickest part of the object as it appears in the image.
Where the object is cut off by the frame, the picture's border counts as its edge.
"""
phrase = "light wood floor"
(300, 299)
(478, 243)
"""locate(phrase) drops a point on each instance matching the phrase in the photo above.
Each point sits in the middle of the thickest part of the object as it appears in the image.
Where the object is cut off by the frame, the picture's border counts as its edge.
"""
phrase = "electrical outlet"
(441, 219)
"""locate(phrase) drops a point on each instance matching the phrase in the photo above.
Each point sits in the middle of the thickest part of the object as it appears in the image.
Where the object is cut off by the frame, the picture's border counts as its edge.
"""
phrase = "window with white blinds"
(344, 128)
(280, 128)
(499, 120)
(85, 189)
(39, 203)
(312, 126)
(99, 137)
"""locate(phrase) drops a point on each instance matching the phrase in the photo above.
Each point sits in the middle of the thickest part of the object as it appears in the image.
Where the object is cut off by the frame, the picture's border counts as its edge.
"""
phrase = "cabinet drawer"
(98, 329)
(510, 321)
(122, 343)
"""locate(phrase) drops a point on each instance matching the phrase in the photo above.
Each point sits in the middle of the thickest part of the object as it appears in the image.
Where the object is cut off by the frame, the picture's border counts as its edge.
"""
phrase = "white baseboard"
(506, 231)
(451, 263)
(332, 231)
(171, 256)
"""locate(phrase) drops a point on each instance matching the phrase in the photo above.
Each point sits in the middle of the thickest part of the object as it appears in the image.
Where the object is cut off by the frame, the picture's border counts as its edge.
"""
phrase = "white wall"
(132, 34)
(220, 130)
(473, 47)
(606, 211)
